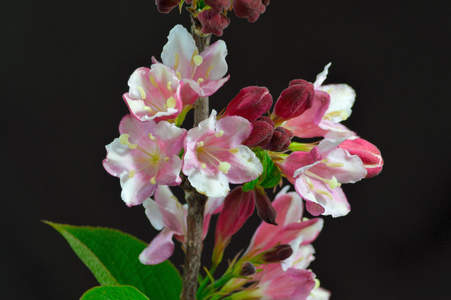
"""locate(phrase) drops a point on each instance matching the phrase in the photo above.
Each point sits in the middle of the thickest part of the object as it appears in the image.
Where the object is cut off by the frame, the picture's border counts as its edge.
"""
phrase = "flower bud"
(278, 253)
(262, 131)
(218, 5)
(265, 210)
(247, 269)
(250, 103)
(165, 6)
(280, 140)
(249, 9)
(368, 153)
(295, 99)
(213, 22)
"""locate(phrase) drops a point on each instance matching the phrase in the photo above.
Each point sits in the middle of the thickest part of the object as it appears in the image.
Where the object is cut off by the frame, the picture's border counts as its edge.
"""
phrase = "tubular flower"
(317, 176)
(165, 213)
(289, 208)
(145, 156)
(201, 72)
(154, 94)
(331, 104)
(215, 156)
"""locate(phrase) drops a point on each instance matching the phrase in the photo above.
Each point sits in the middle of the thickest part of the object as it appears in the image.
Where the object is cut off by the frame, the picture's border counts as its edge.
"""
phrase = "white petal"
(342, 98)
(321, 76)
(180, 42)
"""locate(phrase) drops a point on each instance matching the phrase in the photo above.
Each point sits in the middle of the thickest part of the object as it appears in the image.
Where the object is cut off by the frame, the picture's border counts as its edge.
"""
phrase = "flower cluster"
(212, 14)
(248, 145)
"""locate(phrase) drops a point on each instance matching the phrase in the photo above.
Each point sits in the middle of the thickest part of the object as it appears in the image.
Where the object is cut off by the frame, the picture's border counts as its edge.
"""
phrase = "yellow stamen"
(220, 133)
(179, 76)
(195, 53)
(198, 60)
(168, 86)
(203, 166)
(335, 165)
(123, 139)
(200, 80)
(152, 180)
(148, 108)
(131, 173)
(177, 60)
(170, 102)
(151, 137)
(234, 150)
(166, 158)
(322, 192)
(224, 167)
(142, 92)
(153, 81)
(200, 144)
(208, 71)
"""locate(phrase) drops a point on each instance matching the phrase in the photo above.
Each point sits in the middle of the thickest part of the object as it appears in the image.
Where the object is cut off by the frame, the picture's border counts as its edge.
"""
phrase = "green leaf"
(271, 175)
(117, 292)
(112, 256)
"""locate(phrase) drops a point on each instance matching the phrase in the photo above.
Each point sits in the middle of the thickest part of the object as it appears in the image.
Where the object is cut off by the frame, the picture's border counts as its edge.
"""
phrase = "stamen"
(200, 144)
(200, 80)
(170, 103)
(195, 53)
(335, 165)
(198, 60)
(203, 165)
(208, 71)
(166, 158)
(179, 76)
(131, 173)
(152, 180)
(151, 137)
(309, 183)
(322, 192)
(177, 60)
(220, 133)
(142, 92)
(224, 167)
(317, 283)
(148, 108)
(153, 81)
(123, 139)
(333, 183)
(168, 86)
(234, 150)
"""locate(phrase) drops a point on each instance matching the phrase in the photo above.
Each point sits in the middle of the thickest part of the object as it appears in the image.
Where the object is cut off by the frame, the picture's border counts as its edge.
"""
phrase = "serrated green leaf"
(117, 292)
(112, 256)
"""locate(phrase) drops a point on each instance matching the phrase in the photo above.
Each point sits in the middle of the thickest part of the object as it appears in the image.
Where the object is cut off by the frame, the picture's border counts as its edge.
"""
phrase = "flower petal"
(159, 250)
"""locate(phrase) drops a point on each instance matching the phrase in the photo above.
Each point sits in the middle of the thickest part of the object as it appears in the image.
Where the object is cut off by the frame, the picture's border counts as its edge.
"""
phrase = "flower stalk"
(196, 201)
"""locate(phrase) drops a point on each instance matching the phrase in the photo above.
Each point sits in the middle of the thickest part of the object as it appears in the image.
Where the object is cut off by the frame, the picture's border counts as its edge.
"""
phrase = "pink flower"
(368, 153)
(154, 94)
(215, 156)
(145, 156)
(289, 208)
(203, 73)
(331, 105)
(168, 215)
(317, 176)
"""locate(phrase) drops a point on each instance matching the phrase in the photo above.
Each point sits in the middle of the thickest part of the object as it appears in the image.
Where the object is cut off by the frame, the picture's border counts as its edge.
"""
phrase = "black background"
(65, 65)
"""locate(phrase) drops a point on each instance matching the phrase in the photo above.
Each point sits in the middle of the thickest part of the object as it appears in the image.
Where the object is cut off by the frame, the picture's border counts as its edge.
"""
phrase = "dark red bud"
(247, 269)
(261, 133)
(280, 140)
(218, 5)
(265, 2)
(250, 103)
(249, 9)
(295, 99)
(165, 6)
(213, 22)
(368, 153)
(265, 210)
(278, 253)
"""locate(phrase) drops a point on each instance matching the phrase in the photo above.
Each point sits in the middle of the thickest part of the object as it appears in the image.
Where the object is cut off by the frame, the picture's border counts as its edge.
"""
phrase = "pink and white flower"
(317, 176)
(203, 72)
(145, 156)
(167, 214)
(331, 105)
(154, 93)
(215, 156)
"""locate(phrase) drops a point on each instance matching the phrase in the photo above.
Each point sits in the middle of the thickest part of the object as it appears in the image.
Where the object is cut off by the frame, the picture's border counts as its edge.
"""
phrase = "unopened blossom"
(317, 177)
(368, 153)
(145, 156)
(154, 93)
(213, 22)
(249, 9)
(203, 73)
(331, 105)
(250, 103)
(165, 6)
(262, 132)
(214, 155)
(167, 214)
(294, 100)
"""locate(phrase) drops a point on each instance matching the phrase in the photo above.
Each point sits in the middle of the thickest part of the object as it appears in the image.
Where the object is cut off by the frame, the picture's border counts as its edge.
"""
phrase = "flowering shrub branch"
(225, 163)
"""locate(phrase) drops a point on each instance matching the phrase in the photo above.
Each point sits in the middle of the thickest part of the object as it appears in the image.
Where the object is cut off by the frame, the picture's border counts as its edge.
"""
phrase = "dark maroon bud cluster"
(218, 5)
(280, 140)
(247, 269)
(250, 103)
(265, 210)
(262, 130)
(213, 22)
(278, 253)
(165, 6)
(295, 99)
(249, 9)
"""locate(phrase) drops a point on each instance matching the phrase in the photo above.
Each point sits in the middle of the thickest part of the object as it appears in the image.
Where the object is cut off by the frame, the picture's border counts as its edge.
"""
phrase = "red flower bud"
(295, 99)
(213, 22)
(265, 210)
(280, 140)
(165, 6)
(278, 253)
(250, 103)
(262, 131)
(249, 9)
(368, 153)
(247, 269)
(218, 5)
